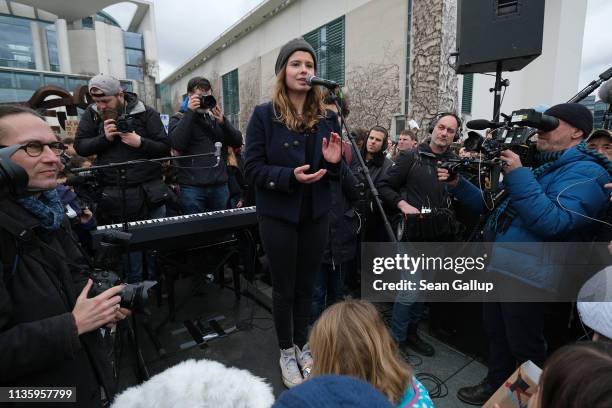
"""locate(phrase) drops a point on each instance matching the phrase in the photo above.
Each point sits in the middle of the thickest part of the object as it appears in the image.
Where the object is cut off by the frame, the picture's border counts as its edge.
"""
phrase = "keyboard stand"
(203, 332)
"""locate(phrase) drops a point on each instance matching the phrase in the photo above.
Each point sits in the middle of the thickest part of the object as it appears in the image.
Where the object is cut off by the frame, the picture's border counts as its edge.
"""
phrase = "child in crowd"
(350, 338)
(578, 375)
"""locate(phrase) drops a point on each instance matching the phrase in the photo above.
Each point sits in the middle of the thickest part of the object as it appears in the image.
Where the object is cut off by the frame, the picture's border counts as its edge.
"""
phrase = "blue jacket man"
(554, 202)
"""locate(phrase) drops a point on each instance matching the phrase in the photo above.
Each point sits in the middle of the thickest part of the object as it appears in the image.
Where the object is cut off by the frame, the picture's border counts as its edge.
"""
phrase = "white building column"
(63, 47)
(38, 48)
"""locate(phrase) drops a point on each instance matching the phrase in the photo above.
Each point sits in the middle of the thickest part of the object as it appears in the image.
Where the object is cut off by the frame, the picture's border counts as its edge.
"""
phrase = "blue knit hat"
(329, 391)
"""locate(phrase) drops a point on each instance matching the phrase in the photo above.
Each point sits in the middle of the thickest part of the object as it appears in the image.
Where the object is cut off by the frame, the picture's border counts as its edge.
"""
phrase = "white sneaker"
(289, 368)
(304, 360)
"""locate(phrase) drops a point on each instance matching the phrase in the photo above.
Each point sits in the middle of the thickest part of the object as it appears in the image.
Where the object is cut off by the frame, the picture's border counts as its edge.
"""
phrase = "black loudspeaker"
(489, 31)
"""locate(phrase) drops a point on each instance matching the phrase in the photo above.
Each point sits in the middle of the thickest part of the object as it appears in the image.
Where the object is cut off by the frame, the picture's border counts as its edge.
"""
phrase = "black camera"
(125, 124)
(207, 102)
(13, 178)
(133, 296)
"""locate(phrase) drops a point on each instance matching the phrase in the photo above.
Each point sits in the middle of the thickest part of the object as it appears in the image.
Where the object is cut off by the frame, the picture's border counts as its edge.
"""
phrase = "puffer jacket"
(552, 208)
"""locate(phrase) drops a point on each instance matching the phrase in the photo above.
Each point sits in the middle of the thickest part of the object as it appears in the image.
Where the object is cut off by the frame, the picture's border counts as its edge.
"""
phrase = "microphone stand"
(593, 85)
(364, 168)
(122, 183)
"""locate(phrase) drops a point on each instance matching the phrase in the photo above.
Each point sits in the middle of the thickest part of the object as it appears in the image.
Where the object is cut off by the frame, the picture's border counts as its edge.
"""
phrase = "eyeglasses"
(35, 149)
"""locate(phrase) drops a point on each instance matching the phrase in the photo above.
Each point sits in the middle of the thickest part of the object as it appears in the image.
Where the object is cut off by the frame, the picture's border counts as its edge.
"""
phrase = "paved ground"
(253, 345)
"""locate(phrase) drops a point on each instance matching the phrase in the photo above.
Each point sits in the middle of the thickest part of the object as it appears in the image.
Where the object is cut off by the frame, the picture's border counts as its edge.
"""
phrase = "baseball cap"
(106, 84)
(600, 133)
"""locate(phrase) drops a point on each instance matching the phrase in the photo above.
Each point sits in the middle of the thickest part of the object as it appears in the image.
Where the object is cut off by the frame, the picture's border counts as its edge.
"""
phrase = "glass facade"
(18, 86)
(134, 56)
(17, 44)
(52, 47)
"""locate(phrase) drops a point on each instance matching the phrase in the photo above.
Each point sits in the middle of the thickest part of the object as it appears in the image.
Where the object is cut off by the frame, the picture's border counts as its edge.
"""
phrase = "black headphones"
(440, 115)
(385, 139)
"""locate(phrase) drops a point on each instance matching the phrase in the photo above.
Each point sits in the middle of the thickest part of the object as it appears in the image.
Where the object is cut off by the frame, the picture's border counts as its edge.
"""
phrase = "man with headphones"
(373, 153)
(412, 187)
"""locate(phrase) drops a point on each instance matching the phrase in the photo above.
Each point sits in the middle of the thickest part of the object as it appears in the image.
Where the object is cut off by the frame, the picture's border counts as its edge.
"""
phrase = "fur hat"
(200, 383)
(297, 44)
(329, 391)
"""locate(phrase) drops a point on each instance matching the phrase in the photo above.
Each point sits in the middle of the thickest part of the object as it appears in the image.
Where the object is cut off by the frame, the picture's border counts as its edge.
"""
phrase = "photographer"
(117, 128)
(410, 186)
(194, 130)
(555, 201)
(48, 325)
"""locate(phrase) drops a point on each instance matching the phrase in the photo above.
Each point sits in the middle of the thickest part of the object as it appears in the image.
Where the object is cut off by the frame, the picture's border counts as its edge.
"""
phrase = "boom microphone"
(482, 124)
(605, 92)
(313, 80)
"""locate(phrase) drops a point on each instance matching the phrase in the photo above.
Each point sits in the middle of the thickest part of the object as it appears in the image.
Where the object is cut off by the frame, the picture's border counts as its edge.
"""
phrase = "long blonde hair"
(314, 110)
(350, 338)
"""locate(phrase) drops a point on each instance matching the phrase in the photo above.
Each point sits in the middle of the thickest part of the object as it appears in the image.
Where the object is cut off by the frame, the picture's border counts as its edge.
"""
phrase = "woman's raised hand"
(332, 151)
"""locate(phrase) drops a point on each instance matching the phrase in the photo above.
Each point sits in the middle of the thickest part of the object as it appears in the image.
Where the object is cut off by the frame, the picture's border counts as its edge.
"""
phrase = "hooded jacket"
(90, 140)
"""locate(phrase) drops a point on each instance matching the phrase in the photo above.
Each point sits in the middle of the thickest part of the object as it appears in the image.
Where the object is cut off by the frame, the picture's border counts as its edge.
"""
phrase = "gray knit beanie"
(297, 44)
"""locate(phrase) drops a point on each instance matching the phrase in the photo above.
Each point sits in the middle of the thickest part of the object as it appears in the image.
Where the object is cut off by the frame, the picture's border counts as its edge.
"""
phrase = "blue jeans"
(407, 312)
(199, 199)
(134, 274)
(328, 288)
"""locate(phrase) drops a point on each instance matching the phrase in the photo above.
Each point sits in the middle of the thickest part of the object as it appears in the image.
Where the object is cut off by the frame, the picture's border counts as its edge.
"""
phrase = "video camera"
(514, 133)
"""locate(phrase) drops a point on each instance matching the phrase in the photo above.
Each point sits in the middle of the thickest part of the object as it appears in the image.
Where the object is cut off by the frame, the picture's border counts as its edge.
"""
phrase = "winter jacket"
(548, 210)
(378, 166)
(39, 344)
(273, 152)
(90, 140)
(193, 133)
(344, 221)
(414, 178)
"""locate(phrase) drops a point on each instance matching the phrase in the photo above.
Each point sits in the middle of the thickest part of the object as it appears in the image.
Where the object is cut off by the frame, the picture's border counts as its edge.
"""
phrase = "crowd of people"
(314, 208)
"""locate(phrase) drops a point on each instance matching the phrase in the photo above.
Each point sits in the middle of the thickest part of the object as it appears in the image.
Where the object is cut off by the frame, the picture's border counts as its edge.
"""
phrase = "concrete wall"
(84, 52)
(264, 42)
(552, 77)
(110, 51)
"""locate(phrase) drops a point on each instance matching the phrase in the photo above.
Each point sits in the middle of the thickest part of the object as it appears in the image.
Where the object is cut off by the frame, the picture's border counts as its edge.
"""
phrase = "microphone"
(313, 80)
(482, 124)
(605, 92)
(218, 152)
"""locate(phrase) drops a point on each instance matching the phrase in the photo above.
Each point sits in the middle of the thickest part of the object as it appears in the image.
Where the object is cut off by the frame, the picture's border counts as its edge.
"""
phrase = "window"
(231, 101)
(133, 40)
(134, 56)
(466, 99)
(88, 23)
(16, 46)
(28, 81)
(55, 80)
(52, 48)
(127, 86)
(74, 82)
(328, 43)
(135, 73)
